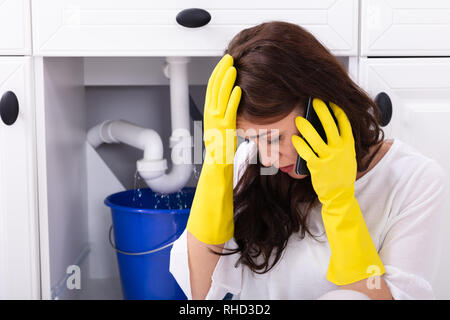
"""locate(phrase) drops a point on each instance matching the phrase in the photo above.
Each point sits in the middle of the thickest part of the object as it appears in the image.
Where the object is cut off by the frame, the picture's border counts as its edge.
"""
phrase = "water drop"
(137, 193)
(197, 172)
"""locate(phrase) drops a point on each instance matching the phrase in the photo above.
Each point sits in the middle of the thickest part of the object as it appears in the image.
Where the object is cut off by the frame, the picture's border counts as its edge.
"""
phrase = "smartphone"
(313, 118)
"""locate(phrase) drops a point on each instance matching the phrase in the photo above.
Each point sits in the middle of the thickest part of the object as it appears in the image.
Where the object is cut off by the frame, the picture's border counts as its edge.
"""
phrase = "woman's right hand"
(220, 113)
(211, 215)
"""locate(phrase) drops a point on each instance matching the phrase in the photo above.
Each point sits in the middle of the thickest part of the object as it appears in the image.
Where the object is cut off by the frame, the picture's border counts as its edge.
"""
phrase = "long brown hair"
(279, 65)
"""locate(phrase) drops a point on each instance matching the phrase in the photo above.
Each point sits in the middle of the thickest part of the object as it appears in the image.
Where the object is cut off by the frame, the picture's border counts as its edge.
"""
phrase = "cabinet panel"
(15, 27)
(140, 27)
(420, 92)
(405, 28)
(19, 254)
(61, 154)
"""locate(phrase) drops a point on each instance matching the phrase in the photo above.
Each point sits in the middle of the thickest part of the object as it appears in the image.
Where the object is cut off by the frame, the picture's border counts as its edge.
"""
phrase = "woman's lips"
(287, 168)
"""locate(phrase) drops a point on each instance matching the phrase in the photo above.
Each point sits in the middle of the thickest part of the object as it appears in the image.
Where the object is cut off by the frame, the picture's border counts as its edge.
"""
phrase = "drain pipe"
(181, 139)
(152, 166)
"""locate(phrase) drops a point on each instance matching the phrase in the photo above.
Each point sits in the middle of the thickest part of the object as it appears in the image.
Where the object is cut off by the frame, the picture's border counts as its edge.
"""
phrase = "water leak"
(137, 195)
(197, 172)
(176, 200)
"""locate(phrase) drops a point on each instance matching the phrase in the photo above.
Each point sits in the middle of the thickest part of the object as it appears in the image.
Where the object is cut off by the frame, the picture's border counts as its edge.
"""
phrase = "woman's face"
(274, 141)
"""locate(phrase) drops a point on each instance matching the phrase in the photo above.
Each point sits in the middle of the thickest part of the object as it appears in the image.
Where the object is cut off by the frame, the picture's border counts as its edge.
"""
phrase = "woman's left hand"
(333, 175)
(333, 171)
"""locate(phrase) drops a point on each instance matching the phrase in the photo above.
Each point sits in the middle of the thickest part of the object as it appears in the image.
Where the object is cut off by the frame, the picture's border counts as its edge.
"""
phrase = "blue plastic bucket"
(145, 225)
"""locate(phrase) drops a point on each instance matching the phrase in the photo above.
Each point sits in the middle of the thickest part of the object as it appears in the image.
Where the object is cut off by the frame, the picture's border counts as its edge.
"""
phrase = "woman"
(363, 223)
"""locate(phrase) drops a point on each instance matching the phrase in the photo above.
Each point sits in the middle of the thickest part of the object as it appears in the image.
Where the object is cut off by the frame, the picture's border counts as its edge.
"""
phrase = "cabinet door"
(405, 28)
(15, 27)
(143, 28)
(419, 89)
(19, 245)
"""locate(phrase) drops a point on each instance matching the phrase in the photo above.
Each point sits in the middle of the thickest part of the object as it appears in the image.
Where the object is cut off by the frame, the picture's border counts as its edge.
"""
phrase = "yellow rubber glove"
(211, 215)
(333, 175)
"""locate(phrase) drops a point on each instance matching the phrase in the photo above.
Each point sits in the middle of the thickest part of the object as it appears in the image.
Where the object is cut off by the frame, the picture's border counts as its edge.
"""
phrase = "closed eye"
(276, 140)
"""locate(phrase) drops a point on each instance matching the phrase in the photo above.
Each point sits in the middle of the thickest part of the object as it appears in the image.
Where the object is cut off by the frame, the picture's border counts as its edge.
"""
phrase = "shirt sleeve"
(226, 278)
(412, 244)
(179, 266)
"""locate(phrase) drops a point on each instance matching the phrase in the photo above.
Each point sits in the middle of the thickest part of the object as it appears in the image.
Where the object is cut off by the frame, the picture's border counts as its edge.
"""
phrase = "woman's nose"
(266, 162)
(269, 158)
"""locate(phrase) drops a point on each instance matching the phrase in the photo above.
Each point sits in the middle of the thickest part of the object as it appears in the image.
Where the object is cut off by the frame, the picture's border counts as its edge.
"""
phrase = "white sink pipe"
(152, 166)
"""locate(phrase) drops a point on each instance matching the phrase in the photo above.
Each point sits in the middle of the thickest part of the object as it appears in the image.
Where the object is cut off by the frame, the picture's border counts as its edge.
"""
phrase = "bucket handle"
(136, 253)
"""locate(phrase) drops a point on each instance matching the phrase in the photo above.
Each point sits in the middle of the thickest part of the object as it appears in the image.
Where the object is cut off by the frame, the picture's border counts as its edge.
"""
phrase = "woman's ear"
(301, 107)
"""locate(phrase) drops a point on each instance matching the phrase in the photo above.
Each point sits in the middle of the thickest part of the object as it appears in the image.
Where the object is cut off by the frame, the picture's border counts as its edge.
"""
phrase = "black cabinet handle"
(193, 17)
(9, 108)
(385, 105)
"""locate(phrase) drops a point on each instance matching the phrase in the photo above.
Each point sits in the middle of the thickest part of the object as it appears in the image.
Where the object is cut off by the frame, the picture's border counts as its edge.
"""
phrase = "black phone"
(313, 118)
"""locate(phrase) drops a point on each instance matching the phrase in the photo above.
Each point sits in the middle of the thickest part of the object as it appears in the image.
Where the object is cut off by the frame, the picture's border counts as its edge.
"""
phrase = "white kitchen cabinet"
(19, 242)
(15, 27)
(405, 28)
(419, 89)
(149, 28)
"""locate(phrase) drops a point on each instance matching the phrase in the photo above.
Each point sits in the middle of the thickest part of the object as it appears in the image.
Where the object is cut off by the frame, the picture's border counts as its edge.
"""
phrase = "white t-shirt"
(403, 201)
